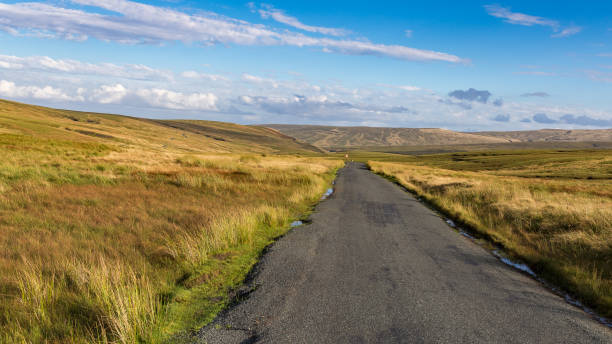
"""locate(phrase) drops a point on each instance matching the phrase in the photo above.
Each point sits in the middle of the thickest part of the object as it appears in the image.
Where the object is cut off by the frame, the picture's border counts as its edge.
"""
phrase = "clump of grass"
(561, 226)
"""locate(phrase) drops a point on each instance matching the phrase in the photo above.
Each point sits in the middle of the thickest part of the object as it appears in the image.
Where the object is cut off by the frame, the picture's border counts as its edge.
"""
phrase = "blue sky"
(468, 65)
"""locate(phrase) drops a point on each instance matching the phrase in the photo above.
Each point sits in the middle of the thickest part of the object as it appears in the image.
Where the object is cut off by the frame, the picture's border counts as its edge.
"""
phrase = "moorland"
(125, 229)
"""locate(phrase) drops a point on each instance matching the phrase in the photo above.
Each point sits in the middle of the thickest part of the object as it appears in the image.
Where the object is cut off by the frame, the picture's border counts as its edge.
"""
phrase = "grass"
(139, 232)
(550, 208)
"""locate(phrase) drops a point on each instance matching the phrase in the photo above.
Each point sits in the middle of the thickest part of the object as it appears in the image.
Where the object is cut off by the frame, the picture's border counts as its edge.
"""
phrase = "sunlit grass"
(137, 237)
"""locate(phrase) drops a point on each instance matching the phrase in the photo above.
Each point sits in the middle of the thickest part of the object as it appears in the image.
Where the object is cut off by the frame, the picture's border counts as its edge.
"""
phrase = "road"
(377, 266)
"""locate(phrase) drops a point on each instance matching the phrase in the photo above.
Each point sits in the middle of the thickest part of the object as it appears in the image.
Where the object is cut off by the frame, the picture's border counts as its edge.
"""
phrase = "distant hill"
(330, 137)
(552, 135)
(156, 135)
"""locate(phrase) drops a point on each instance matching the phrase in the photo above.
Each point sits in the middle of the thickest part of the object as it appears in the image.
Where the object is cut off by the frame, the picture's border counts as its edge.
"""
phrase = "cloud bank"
(289, 98)
(132, 23)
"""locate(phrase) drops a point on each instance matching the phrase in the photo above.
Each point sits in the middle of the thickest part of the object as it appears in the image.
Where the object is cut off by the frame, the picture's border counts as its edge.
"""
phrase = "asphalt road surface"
(376, 266)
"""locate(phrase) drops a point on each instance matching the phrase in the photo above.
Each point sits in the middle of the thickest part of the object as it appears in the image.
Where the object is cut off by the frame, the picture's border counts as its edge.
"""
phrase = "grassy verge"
(103, 243)
(551, 209)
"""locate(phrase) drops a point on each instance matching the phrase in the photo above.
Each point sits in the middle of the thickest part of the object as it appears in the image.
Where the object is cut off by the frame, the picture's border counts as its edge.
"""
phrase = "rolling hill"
(331, 137)
(154, 135)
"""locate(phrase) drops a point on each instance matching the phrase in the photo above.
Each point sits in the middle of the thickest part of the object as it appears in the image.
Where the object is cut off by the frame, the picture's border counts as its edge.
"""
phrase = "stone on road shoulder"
(376, 266)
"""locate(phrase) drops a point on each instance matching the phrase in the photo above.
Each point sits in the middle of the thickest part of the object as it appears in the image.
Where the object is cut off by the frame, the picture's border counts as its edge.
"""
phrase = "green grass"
(560, 163)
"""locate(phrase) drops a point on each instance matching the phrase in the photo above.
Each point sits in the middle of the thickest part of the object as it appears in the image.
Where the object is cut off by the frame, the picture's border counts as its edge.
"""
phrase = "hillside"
(552, 135)
(153, 135)
(116, 229)
(329, 136)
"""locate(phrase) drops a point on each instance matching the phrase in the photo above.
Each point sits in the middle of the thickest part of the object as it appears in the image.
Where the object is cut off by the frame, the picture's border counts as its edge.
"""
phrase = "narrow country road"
(376, 266)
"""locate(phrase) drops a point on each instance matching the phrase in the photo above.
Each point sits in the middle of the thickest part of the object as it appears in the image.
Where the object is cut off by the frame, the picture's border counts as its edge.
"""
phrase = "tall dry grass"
(562, 227)
(109, 245)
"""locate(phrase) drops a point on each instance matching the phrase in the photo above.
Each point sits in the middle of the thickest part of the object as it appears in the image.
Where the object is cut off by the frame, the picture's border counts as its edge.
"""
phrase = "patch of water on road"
(465, 234)
(519, 266)
(327, 193)
(522, 267)
(296, 223)
(554, 289)
(452, 224)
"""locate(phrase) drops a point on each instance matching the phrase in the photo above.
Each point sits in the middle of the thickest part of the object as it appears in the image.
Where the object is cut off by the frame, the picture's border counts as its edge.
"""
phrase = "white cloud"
(519, 18)
(140, 23)
(190, 74)
(110, 94)
(259, 80)
(409, 88)
(280, 16)
(569, 31)
(114, 94)
(408, 33)
(10, 90)
(319, 106)
(48, 64)
(530, 20)
(155, 97)
(179, 101)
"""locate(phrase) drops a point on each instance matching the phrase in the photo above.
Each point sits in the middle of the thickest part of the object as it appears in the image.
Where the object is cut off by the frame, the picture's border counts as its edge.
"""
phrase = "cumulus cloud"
(154, 97)
(530, 20)
(409, 88)
(526, 120)
(132, 22)
(536, 94)
(48, 64)
(10, 90)
(543, 118)
(582, 120)
(178, 101)
(498, 102)
(463, 105)
(586, 121)
(316, 105)
(471, 95)
(268, 11)
(110, 94)
(190, 74)
(502, 118)
(259, 80)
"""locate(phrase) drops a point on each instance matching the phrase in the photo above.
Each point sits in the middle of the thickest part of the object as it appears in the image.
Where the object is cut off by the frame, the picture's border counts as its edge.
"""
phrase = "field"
(549, 208)
(118, 229)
